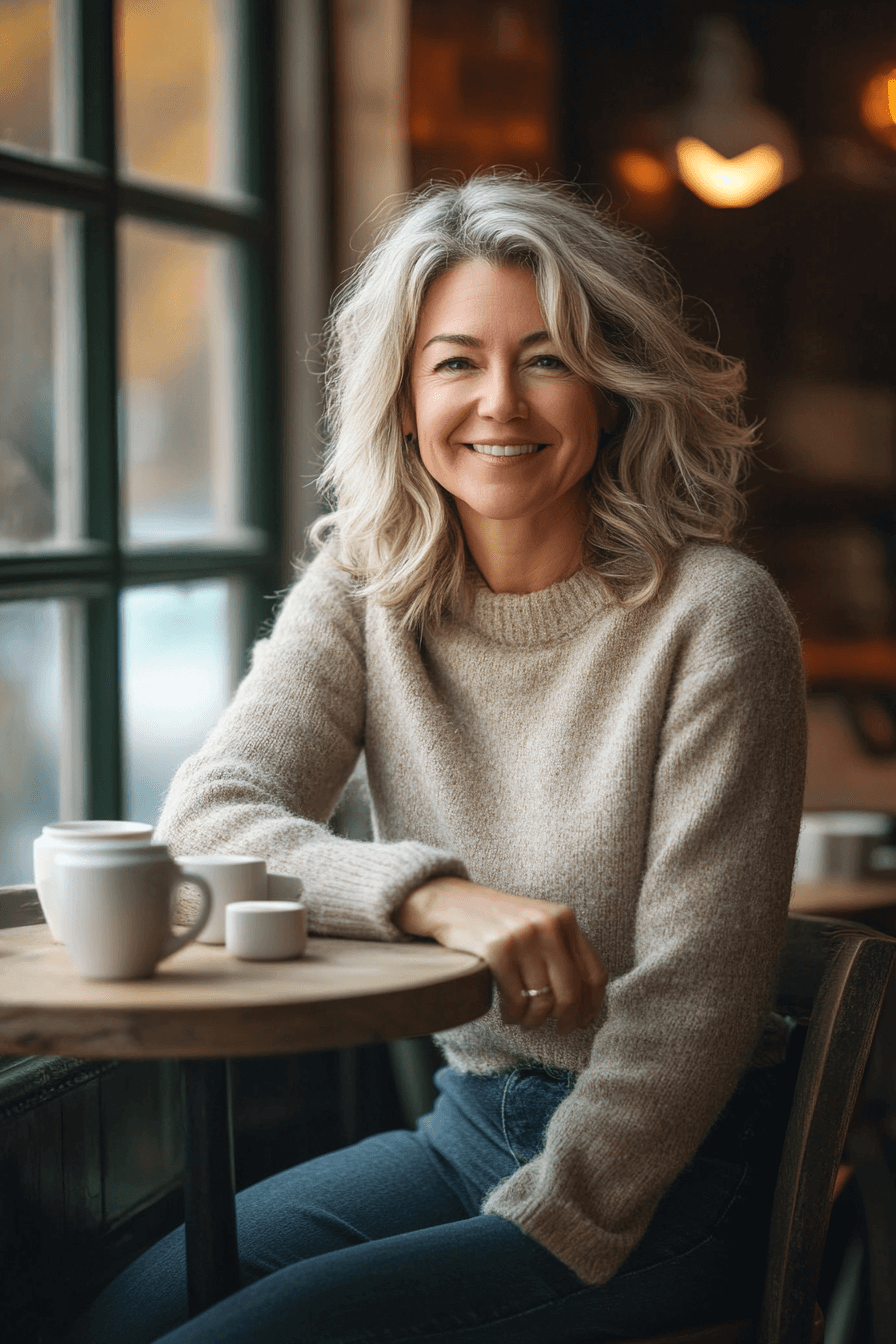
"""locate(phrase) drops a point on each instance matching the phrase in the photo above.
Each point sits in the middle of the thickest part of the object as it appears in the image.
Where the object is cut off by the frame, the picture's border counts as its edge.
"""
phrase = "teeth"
(504, 450)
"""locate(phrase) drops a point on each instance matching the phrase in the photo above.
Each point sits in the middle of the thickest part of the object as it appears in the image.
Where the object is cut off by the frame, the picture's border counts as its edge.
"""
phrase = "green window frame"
(100, 571)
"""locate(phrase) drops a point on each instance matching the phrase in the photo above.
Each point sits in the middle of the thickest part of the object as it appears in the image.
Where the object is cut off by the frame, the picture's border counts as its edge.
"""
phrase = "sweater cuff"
(592, 1253)
(353, 888)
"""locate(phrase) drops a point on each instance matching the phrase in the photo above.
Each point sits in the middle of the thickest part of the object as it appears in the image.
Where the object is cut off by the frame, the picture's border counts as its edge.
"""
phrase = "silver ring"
(536, 993)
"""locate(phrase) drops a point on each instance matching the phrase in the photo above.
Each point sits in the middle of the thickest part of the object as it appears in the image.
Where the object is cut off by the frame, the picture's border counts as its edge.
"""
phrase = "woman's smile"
(506, 449)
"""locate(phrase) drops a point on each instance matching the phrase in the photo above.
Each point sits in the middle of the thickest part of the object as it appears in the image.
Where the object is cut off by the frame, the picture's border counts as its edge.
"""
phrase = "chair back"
(19, 907)
(832, 976)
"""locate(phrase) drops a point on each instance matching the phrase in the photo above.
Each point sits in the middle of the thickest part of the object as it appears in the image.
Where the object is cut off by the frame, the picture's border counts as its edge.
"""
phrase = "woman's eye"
(454, 365)
(548, 362)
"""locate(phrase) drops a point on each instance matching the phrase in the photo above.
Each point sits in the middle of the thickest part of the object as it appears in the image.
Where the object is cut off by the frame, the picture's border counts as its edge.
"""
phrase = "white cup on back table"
(232, 877)
(115, 908)
(284, 887)
(59, 835)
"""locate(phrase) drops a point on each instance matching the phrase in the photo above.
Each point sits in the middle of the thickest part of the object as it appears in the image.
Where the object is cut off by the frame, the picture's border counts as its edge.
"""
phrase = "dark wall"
(800, 285)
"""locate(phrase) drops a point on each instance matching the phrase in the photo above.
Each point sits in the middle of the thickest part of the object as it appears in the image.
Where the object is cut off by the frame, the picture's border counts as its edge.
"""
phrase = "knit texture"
(644, 767)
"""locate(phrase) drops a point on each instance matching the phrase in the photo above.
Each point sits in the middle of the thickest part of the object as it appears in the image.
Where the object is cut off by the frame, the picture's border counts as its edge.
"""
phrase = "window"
(139, 420)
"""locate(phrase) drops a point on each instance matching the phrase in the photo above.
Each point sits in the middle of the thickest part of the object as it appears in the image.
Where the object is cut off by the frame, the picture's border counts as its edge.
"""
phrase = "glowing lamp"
(879, 106)
(742, 180)
(642, 173)
(731, 149)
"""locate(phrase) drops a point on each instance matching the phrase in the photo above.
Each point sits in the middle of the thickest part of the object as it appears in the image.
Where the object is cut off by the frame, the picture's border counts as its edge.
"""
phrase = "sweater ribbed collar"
(554, 614)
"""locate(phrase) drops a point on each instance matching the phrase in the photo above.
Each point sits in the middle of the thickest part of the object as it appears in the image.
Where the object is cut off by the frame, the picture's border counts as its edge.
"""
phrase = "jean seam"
(504, 1117)
(689, 1250)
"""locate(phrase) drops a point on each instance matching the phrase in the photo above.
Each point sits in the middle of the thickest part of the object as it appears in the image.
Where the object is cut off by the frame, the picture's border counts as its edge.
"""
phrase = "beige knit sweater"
(644, 767)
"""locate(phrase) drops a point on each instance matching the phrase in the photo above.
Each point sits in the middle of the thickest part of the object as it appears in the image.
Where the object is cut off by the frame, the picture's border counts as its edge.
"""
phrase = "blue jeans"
(384, 1241)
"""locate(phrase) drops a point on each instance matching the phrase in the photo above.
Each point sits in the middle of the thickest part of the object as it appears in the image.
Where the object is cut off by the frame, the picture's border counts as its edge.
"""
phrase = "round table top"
(203, 1003)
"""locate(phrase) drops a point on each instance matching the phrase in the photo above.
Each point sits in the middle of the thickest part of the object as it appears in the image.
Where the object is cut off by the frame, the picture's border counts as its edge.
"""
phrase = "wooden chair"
(19, 906)
(832, 977)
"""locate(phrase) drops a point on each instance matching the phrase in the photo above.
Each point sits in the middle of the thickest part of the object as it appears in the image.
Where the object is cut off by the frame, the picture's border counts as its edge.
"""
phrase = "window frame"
(99, 571)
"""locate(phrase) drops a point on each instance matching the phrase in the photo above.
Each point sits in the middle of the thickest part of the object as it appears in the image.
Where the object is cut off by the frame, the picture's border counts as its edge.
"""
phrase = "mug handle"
(178, 940)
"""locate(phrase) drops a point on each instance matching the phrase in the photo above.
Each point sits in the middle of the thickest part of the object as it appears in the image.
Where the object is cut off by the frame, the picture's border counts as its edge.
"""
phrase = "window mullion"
(102, 676)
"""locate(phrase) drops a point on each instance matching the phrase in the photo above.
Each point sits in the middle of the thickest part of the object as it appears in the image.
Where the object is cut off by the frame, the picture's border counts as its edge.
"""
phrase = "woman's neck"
(523, 555)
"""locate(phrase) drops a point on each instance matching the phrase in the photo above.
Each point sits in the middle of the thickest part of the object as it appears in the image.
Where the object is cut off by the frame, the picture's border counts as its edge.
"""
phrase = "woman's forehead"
(476, 297)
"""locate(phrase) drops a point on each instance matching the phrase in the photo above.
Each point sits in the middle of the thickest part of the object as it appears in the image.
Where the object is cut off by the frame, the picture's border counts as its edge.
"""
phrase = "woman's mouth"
(506, 449)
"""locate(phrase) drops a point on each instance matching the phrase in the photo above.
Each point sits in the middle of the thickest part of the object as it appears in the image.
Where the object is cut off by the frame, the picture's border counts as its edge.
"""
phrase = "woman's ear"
(607, 412)
(408, 422)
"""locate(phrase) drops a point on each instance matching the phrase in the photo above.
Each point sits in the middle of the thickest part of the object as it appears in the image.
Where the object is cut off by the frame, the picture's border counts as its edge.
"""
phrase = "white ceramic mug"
(57, 835)
(115, 904)
(265, 930)
(232, 877)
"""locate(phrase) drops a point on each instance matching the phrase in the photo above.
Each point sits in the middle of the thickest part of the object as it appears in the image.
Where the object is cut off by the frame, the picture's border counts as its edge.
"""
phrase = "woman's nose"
(501, 396)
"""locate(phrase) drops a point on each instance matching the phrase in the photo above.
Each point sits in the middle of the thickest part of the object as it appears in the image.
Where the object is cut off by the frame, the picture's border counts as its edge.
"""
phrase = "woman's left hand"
(528, 944)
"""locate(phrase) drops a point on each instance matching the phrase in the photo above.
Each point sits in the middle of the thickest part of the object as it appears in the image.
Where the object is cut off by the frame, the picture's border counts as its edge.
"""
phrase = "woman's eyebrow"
(473, 342)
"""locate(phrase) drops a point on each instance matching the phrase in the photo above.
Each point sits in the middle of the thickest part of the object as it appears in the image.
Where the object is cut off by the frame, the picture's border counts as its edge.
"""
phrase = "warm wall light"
(742, 180)
(642, 173)
(879, 106)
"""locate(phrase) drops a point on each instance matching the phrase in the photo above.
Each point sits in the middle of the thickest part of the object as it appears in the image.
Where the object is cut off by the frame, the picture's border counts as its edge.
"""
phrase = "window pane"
(25, 48)
(40, 350)
(38, 76)
(183, 418)
(179, 92)
(30, 730)
(181, 655)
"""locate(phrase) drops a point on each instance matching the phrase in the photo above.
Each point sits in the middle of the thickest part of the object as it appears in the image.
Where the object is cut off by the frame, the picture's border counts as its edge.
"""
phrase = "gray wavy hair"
(668, 473)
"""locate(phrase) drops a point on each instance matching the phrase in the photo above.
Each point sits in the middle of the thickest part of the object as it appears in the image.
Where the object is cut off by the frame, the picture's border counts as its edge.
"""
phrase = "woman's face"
(502, 423)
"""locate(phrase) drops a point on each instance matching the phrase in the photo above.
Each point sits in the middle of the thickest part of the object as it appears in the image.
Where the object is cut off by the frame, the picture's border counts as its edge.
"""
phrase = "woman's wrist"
(418, 914)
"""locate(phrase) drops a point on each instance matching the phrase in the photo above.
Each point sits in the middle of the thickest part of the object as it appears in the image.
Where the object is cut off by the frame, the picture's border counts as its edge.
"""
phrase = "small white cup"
(284, 887)
(57, 835)
(232, 877)
(844, 846)
(115, 906)
(265, 930)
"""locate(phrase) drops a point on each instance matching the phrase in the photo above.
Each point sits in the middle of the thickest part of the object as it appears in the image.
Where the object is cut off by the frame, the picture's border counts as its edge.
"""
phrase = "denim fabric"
(384, 1241)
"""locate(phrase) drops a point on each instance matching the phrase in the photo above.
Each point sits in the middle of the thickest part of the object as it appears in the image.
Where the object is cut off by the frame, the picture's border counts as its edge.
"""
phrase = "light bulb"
(731, 150)
(879, 106)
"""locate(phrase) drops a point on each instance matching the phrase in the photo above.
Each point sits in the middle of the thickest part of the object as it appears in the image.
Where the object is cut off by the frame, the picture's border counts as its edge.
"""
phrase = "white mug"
(232, 877)
(57, 835)
(265, 930)
(115, 906)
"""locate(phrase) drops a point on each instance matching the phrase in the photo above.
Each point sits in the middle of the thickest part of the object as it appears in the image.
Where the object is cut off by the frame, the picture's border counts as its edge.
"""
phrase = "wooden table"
(854, 899)
(203, 1007)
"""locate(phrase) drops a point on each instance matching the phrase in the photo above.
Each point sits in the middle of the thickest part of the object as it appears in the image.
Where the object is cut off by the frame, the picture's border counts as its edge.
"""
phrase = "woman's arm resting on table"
(528, 945)
(270, 772)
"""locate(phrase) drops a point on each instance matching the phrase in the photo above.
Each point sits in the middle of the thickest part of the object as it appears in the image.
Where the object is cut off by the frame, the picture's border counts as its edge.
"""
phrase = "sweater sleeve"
(270, 773)
(681, 1024)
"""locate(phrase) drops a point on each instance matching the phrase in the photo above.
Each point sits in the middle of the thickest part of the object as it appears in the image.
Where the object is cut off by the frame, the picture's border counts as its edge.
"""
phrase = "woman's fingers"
(517, 967)
(529, 945)
(548, 953)
(594, 979)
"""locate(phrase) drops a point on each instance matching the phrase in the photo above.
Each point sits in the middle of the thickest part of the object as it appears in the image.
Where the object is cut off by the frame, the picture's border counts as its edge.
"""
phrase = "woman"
(583, 723)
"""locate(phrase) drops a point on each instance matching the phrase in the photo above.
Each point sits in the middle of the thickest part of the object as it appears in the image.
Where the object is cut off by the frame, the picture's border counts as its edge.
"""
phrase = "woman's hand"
(527, 944)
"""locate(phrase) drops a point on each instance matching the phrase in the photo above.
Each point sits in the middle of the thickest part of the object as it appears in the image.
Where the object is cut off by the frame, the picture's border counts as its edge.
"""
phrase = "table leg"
(209, 1188)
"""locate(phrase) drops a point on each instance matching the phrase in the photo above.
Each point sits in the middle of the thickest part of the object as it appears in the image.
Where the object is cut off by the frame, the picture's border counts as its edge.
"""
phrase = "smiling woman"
(583, 725)
(668, 441)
